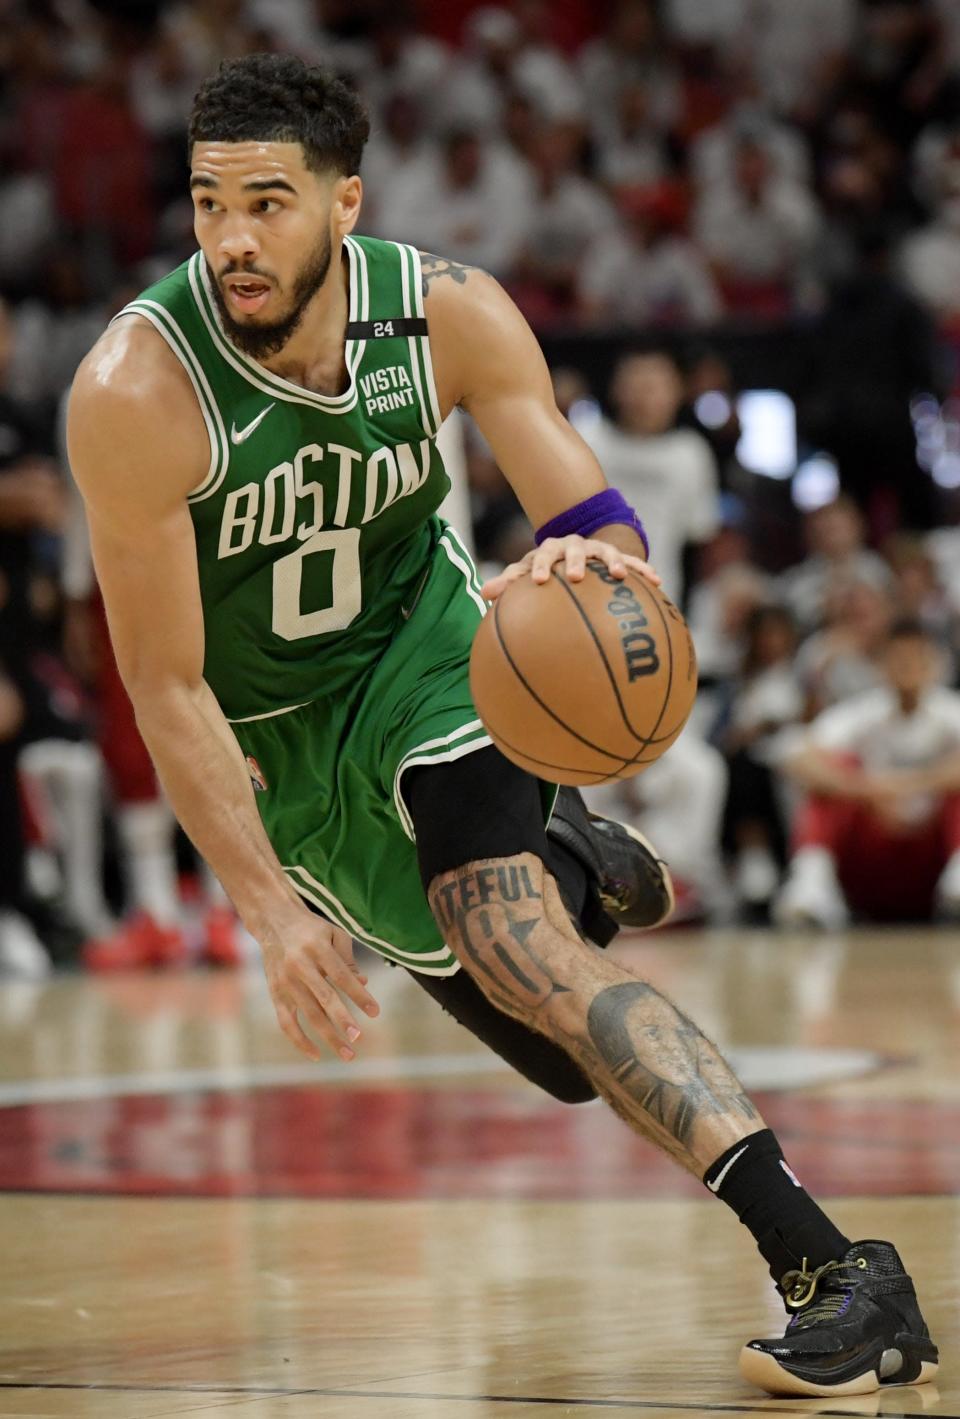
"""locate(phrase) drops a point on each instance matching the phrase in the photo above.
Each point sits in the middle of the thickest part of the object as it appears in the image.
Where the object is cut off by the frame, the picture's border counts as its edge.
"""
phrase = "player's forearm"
(202, 769)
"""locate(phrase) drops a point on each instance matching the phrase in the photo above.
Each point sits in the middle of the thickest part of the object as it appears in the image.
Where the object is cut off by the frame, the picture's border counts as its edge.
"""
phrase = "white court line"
(259, 1076)
(759, 1067)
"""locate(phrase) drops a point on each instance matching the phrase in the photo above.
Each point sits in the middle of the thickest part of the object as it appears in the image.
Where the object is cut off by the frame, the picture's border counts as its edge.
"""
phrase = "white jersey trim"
(170, 332)
(425, 340)
(420, 365)
(460, 557)
(265, 380)
(436, 751)
(313, 891)
(268, 714)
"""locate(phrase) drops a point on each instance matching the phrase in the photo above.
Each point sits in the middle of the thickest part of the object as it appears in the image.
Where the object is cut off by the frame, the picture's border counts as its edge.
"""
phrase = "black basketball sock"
(789, 1228)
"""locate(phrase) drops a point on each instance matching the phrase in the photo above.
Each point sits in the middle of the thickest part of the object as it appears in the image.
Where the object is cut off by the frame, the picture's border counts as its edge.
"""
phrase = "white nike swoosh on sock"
(717, 1183)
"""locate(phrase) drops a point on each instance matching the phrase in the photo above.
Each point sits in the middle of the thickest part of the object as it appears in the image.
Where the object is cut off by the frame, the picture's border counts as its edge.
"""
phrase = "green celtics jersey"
(314, 523)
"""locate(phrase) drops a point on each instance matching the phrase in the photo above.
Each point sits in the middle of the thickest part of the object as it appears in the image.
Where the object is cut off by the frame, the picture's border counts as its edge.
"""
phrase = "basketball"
(583, 682)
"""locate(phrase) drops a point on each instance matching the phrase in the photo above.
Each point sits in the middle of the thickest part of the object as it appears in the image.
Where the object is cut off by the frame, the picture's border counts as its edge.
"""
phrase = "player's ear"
(347, 197)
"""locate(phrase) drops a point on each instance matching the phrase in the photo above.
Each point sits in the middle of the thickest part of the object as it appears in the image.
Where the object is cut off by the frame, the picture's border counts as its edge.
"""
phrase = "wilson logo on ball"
(639, 647)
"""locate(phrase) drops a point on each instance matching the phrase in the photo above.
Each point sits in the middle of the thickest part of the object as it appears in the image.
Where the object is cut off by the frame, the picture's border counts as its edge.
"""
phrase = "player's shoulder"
(131, 378)
(132, 402)
(449, 287)
(130, 364)
(129, 361)
(478, 337)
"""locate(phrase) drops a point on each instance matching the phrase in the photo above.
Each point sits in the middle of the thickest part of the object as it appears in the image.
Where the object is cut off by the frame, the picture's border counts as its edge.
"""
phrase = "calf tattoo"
(689, 1078)
(507, 923)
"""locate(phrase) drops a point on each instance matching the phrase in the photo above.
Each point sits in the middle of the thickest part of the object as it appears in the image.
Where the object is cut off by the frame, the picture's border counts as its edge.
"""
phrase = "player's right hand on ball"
(309, 972)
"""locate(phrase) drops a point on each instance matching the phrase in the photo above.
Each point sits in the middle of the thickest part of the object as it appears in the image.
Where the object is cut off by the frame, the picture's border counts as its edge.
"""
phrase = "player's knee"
(491, 915)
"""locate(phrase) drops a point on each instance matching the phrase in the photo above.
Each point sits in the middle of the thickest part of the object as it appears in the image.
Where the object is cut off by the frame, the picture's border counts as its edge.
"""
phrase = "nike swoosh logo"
(241, 435)
(404, 612)
(717, 1183)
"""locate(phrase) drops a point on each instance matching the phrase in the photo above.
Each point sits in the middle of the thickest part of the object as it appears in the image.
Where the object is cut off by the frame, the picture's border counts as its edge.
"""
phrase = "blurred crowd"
(650, 173)
(721, 159)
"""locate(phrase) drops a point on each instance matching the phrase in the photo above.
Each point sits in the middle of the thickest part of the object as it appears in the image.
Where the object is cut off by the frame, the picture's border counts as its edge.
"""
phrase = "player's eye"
(266, 205)
(206, 204)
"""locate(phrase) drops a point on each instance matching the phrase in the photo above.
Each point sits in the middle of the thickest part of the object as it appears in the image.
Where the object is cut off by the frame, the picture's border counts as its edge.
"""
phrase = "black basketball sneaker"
(856, 1327)
(631, 884)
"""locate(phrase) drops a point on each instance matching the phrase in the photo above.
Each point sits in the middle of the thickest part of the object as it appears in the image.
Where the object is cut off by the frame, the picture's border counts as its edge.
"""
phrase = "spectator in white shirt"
(836, 557)
(634, 152)
(714, 154)
(631, 52)
(500, 59)
(846, 657)
(569, 214)
(796, 50)
(400, 60)
(472, 203)
(728, 590)
(397, 150)
(930, 256)
(760, 231)
(765, 701)
(879, 830)
(644, 273)
(668, 474)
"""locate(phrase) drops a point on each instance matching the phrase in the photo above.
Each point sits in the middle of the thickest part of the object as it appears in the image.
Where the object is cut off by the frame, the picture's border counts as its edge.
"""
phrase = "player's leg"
(534, 1056)
(500, 909)
(604, 873)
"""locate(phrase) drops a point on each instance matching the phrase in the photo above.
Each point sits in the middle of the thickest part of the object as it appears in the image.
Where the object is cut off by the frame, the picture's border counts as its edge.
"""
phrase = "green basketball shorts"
(330, 773)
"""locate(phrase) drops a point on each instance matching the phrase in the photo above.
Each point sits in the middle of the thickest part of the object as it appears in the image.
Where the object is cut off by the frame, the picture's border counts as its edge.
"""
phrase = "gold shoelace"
(800, 1288)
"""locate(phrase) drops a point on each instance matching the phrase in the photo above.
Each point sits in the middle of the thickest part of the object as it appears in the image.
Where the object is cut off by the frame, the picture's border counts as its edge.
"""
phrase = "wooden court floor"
(195, 1221)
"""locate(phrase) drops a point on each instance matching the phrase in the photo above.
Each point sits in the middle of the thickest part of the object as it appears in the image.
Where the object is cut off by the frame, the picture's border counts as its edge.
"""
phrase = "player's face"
(266, 225)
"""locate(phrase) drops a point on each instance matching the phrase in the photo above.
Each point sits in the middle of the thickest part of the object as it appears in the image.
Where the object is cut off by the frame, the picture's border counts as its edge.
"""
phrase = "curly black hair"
(276, 98)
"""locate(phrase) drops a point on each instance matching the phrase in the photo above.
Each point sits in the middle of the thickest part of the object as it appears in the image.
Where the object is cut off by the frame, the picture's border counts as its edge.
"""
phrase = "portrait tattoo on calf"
(689, 1078)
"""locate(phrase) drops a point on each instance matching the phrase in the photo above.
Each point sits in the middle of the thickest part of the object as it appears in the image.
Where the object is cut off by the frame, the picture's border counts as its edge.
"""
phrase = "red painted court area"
(396, 1143)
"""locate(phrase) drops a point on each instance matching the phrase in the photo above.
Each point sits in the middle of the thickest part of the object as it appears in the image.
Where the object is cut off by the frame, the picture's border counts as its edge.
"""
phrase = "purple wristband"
(598, 511)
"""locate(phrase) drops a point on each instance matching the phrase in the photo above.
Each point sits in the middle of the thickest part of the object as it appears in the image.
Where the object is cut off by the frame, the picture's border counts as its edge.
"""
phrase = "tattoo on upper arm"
(434, 267)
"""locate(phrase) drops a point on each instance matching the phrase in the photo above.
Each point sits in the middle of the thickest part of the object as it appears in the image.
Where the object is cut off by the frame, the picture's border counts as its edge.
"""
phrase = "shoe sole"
(764, 1372)
(665, 873)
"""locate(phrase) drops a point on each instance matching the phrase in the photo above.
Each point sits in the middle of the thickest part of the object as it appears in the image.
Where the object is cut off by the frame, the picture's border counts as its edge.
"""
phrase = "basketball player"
(254, 437)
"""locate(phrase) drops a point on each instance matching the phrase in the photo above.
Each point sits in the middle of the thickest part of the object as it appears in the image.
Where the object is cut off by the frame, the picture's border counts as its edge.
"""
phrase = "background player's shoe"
(857, 1326)
(633, 884)
(221, 946)
(811, 895)
(140, 943)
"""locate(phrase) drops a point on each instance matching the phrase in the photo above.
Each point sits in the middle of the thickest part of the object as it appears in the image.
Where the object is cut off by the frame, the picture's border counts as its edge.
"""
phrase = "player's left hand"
(574, 553)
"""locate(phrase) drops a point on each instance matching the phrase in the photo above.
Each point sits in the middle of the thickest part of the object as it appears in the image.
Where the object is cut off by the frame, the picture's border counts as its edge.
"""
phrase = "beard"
(259, 341)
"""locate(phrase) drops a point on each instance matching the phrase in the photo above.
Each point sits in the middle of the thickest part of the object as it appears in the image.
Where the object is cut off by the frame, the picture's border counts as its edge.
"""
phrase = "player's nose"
(238, 243)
